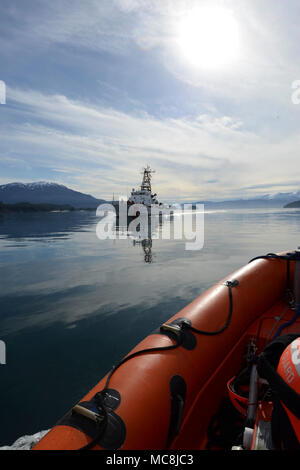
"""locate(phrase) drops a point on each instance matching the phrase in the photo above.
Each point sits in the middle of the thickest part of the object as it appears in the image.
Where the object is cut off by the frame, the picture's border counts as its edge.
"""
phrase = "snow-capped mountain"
(264, 201)
(279, 196)
(43, 192)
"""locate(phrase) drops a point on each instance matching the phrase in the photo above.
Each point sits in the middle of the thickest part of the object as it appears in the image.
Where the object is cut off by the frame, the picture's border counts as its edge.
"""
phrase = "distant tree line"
(28, 207)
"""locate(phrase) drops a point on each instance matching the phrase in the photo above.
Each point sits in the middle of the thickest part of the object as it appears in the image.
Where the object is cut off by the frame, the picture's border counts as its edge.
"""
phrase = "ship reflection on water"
(143, 237)
(146, 244)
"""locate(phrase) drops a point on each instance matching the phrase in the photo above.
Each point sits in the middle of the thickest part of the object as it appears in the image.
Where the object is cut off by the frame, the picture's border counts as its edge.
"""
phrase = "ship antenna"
(147, 175)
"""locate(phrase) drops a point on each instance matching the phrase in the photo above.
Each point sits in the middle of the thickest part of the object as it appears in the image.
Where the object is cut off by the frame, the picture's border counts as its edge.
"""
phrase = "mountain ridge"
(264, 201)
(46, 192)
(40, 192)
(293, 205)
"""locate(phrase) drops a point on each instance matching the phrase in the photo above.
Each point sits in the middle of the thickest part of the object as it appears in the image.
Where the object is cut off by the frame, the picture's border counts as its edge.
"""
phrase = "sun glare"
(208, 37)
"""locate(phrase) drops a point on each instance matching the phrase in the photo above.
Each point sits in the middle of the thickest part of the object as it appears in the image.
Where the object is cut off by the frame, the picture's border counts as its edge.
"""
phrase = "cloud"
(268, 186)
(100, 150)
(94, 25)
(258, 82)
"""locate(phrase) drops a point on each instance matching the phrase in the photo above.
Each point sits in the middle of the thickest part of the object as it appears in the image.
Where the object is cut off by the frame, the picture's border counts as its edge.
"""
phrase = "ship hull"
(132, 212)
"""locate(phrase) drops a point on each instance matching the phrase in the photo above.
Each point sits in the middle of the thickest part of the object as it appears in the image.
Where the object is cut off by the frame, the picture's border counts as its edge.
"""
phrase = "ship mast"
(147, 175)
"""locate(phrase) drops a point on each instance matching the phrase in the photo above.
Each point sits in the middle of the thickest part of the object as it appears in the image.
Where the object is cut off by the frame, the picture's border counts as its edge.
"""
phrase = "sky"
(205, 92)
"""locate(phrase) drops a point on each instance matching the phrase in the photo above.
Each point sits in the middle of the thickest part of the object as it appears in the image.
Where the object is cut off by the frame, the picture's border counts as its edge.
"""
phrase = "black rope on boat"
(287, 257)
(178, 341)
(292, 256)
(230, 285)
(138, 353)
(183, 325)
(101, 395)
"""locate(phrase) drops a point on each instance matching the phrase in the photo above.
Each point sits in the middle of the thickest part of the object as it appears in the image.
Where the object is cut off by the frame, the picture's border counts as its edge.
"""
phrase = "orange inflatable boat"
(202, 380)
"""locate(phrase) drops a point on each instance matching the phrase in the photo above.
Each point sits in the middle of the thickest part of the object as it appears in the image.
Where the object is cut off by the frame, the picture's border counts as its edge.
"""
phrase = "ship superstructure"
(144, 195)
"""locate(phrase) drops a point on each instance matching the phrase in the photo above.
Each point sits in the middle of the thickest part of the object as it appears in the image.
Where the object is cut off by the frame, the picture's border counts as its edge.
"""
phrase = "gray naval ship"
(143, 198)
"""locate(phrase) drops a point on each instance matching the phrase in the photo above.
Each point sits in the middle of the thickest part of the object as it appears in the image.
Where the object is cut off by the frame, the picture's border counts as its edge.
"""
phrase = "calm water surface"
(71, 305)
